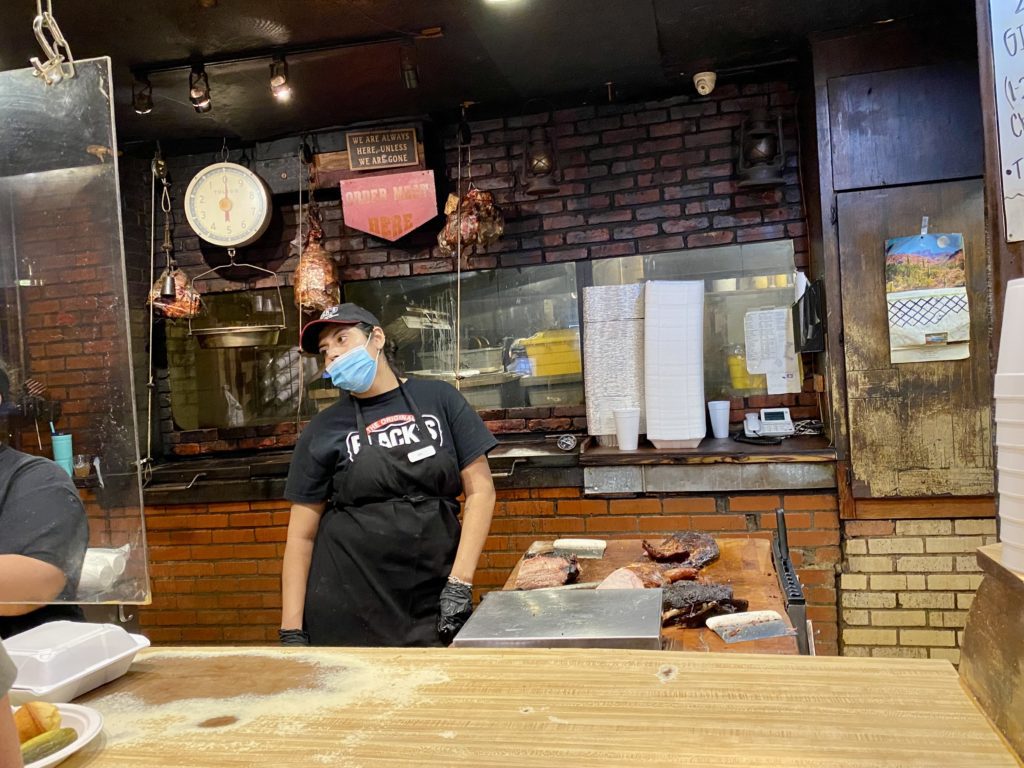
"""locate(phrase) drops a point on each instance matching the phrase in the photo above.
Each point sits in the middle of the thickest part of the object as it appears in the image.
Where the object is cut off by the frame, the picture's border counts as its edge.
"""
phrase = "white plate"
(85, 720)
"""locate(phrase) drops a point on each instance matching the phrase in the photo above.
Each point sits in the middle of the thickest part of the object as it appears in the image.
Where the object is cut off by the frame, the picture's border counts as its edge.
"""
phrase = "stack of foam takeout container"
(63, 659)
(1009, 400)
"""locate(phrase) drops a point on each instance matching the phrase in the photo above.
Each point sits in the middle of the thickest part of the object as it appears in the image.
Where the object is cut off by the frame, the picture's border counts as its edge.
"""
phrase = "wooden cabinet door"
(916, 429)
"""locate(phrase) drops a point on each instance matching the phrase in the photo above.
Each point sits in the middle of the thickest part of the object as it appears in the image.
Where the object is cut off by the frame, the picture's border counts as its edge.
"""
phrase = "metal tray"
(559, 618)
(229, 337)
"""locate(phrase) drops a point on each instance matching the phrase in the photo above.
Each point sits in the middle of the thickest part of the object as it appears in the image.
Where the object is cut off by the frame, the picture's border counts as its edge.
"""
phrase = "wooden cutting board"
(216, 707)
(745, 563)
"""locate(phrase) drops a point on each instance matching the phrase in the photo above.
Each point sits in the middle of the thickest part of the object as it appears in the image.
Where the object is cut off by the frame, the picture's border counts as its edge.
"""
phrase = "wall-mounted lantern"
(762, 158)
(538, 176)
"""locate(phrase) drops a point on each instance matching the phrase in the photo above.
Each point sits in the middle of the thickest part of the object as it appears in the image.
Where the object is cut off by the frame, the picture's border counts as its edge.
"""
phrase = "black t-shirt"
(41, 516)
(331, 439)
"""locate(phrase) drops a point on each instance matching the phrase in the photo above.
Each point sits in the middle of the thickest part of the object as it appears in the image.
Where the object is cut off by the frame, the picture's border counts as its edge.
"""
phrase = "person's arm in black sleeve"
(44, 513)
(307, 487)
(472, 443)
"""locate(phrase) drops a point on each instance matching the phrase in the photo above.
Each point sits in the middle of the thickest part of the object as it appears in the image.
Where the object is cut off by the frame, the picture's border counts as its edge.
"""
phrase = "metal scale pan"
(230, 337)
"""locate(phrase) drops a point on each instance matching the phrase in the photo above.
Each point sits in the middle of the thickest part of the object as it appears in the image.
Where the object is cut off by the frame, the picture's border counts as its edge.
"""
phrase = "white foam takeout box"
(61, 660)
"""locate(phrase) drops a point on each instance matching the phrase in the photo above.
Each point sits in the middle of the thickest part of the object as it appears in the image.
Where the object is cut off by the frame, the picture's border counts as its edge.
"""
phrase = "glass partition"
(64, 331)
(520, 337)
(737, 279)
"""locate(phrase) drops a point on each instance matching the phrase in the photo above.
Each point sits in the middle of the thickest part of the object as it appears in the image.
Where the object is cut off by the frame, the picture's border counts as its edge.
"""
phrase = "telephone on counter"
(773, 422)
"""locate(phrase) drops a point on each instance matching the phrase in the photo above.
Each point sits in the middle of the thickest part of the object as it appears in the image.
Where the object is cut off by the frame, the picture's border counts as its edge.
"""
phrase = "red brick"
(638, 198)
(709, 238)
(613, 216)
(611, 524)
(635, 507)
(557, 493)
(665, 523)
(584, 507)
(564, 524)
(719, 522)
(794, 520)
(815, 502)
(667, 243)
(854, 528)
(587, 236)
(812, 538)
(633, 232)
(531, 508)
(676, 504)
(664, 211)
(753, 503)
(685, 225)
(614, 249)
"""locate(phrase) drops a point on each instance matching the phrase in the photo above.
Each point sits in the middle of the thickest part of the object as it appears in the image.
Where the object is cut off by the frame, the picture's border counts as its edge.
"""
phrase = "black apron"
(386, 544)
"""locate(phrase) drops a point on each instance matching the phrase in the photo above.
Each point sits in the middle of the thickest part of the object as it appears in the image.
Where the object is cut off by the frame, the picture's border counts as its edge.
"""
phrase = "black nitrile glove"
(292, 637)
(456, 606)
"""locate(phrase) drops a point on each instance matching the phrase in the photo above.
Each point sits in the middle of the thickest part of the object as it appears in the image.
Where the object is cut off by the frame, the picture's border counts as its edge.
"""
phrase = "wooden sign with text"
(389, 206)
(380, 149)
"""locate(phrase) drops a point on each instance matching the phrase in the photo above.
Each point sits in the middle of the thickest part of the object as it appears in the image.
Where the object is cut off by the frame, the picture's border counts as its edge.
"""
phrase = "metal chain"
(59, 63)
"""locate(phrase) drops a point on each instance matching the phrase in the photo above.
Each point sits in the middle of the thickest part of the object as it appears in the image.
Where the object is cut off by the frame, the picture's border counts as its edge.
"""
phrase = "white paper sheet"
(768, 337)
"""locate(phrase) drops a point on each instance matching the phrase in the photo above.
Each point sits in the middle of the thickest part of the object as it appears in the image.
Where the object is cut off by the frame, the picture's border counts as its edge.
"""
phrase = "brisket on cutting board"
(547, 570)
(688, 548)
(646, 574)
(689, 603)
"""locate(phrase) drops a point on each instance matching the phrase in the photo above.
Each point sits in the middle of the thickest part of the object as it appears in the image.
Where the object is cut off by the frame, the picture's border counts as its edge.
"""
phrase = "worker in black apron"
(388, 462)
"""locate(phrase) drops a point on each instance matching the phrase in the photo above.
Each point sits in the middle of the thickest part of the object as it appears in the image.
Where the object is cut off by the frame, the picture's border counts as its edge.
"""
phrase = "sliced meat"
(547, 570)
(646, 574)
(690, 603)
(622, 578)
(688, 548)
(654, 575)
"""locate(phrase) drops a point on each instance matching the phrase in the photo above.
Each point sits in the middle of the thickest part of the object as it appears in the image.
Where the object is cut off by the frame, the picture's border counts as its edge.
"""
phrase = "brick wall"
(73, 319)
(216, 567)
(637, 178)
(907, 585)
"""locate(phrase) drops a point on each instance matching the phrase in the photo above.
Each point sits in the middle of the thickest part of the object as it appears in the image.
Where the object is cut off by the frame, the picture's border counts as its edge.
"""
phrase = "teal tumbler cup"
(62, 451)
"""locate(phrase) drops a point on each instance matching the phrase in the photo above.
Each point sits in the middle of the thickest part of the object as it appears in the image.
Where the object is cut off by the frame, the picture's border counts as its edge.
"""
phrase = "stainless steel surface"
(605, 480)
(698, 478)
(237, 336)
(739, 477)
(584, 618)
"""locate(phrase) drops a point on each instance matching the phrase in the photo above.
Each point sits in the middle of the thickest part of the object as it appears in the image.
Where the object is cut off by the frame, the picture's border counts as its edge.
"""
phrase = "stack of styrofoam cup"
(1009, 398)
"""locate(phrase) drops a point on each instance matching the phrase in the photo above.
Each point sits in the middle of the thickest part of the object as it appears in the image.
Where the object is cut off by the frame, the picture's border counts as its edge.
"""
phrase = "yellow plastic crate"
(554, 353)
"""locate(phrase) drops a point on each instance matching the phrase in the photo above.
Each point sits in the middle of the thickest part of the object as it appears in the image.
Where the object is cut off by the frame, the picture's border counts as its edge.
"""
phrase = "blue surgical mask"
(354, 371)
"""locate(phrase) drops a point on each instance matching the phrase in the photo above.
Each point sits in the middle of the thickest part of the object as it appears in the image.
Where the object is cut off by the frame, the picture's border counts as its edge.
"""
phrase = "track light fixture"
(410, 76)
(142, 95)
(279, 79)
(199, 89)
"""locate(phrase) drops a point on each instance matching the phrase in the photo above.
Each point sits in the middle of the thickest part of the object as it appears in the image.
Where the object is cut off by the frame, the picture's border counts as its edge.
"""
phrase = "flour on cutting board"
(325, 689)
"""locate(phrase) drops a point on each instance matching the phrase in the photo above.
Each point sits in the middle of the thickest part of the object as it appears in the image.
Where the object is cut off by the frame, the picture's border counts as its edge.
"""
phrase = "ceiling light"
(142, 95)
(279, 79)
(199, 89)
(410, 77)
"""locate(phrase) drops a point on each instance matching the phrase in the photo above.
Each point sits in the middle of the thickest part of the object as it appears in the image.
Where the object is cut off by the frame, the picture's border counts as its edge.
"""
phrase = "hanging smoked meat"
(476, 218)
(316, 287)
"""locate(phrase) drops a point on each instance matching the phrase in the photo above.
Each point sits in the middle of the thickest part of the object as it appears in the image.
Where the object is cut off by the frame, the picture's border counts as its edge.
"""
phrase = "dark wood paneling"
(916, 429)
(912, 509)
(905, 126)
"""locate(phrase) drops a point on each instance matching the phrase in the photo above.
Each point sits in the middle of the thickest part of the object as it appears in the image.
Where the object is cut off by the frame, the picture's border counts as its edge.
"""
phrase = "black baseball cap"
(339, 314)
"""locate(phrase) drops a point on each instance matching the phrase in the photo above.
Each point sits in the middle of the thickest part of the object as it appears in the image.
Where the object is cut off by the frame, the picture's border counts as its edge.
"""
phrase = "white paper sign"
(1008, 66)
(768, 337)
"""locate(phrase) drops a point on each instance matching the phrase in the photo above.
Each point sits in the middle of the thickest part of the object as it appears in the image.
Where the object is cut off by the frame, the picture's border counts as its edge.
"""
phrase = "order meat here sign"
(391, 205)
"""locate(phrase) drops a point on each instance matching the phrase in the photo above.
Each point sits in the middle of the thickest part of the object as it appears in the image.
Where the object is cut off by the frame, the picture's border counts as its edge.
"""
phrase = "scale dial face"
(227, 205)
